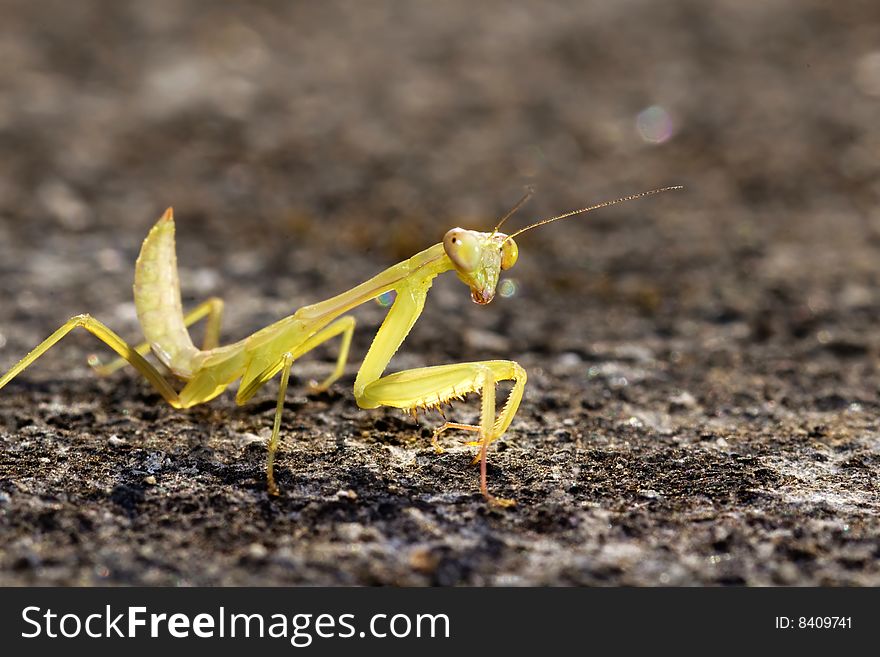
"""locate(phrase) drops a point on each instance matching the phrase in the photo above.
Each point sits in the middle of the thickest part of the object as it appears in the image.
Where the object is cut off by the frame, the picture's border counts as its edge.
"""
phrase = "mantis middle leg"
(343, 325)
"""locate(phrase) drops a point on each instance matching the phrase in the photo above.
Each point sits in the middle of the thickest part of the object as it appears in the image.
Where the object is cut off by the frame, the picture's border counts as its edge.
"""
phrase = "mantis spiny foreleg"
(430, 386)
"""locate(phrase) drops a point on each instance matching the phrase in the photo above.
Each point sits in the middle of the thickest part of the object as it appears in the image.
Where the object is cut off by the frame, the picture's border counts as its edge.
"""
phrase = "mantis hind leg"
(431, 386)
(211, 308)
(108, 337)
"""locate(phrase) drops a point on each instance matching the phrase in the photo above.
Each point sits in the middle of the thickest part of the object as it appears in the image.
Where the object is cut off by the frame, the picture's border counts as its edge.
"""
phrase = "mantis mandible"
(476, 257)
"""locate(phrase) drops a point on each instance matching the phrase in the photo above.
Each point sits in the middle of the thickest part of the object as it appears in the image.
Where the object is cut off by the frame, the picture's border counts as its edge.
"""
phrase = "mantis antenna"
(590, 208)
(530, 191)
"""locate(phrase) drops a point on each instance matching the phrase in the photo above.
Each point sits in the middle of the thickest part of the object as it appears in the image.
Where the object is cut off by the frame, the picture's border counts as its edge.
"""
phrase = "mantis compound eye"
(509, 254)
(463, 248)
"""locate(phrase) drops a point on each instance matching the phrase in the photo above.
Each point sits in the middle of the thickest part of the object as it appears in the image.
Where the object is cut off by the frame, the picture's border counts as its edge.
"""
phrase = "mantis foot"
(502, 502)
(435, 439)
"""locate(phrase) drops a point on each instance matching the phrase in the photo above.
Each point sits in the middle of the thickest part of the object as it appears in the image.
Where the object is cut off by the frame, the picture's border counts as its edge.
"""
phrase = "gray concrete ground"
(702, 403)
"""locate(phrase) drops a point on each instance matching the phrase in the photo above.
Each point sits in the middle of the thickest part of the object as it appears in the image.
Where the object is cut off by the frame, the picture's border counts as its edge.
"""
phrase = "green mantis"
(476, 257)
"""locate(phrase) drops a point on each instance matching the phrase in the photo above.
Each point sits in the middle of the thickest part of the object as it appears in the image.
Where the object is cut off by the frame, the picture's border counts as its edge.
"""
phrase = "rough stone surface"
(702, 403)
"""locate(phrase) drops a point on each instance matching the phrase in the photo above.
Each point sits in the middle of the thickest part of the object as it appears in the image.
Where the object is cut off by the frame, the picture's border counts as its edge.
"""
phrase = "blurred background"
(304, 141)
(307, 146)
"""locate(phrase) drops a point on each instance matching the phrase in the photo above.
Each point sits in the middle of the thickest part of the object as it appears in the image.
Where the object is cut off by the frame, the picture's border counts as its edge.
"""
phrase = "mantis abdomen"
(157, 300)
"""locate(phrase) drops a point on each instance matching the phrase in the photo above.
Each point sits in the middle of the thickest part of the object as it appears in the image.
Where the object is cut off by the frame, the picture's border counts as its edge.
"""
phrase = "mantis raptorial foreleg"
(211, 308)
(432, 386)
(108, 337)
(426, 387)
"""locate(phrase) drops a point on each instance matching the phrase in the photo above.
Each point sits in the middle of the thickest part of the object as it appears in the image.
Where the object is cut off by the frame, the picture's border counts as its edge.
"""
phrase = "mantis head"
(479, 258)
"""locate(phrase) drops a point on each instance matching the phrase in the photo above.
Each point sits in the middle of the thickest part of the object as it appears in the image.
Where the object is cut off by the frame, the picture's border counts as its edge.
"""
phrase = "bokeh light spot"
(386, 298)
(654, 124)
(867, 74)
(507, 288)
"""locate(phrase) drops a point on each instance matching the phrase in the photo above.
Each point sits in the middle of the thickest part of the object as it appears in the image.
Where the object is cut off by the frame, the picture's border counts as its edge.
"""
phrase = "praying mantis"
(476, 257)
